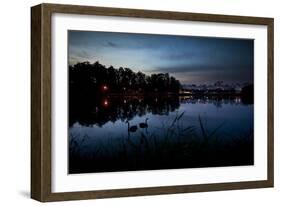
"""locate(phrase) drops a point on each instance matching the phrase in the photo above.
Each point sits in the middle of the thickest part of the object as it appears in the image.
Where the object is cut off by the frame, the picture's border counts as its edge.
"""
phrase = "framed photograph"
(130, 102)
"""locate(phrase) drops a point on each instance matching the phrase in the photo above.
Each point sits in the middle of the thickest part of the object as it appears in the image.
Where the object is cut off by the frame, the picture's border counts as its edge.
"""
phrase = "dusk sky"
(189, 59)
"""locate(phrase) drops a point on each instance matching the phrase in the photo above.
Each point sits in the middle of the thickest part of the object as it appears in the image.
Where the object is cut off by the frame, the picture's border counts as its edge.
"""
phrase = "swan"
(144, 124)
(131, 128)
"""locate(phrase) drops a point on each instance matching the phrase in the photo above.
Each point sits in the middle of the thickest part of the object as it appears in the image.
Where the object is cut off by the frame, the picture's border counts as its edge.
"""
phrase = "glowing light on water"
(105, 88)
(105, 103)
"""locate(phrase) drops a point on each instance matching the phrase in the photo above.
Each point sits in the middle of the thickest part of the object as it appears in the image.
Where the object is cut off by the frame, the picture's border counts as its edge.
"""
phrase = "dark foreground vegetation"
(178, 147)
(99, 94)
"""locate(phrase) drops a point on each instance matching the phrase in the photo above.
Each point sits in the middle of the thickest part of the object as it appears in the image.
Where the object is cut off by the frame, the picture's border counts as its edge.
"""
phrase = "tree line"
(85, 76)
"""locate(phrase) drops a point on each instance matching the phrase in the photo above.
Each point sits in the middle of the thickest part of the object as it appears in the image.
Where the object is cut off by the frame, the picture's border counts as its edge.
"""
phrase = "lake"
(110, 126)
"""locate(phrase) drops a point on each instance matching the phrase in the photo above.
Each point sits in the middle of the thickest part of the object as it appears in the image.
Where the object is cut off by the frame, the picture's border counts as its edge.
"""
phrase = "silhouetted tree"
(86, 77)
(247, 94)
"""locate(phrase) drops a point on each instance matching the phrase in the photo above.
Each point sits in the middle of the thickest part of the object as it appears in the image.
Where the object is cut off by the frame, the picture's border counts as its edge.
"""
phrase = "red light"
(105, 103)
(105, 87)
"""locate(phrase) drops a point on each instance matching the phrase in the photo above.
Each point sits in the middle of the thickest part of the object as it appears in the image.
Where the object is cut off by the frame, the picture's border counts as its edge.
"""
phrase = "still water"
(128, 133)
(109, 119)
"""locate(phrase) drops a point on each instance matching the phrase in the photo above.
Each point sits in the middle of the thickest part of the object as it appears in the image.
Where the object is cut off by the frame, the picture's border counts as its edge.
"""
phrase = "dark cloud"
(189, 68)
(131, 45)
(184, 56)
(111, 44)
(209, 73)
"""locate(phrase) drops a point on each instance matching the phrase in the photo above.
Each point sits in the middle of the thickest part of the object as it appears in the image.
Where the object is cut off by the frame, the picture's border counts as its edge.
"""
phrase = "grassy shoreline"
(179, 147)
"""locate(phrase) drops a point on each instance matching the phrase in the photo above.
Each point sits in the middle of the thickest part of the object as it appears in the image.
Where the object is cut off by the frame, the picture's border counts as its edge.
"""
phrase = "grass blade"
(174, 121)
(178, 118)
(215, 130)
(202, 128)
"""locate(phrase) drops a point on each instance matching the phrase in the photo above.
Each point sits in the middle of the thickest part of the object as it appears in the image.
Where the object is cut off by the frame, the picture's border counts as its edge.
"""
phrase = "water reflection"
(113, 133)
(100, 110)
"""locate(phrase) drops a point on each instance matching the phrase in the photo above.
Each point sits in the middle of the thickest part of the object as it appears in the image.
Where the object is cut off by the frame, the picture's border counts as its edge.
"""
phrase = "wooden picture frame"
(41, 98)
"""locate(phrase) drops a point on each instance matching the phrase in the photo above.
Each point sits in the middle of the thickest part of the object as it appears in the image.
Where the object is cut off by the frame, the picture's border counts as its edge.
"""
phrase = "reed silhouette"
(179, 147)
(99, 95)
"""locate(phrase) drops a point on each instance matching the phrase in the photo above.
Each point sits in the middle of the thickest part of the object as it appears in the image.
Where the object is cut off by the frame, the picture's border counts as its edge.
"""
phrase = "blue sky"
(190, 59)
